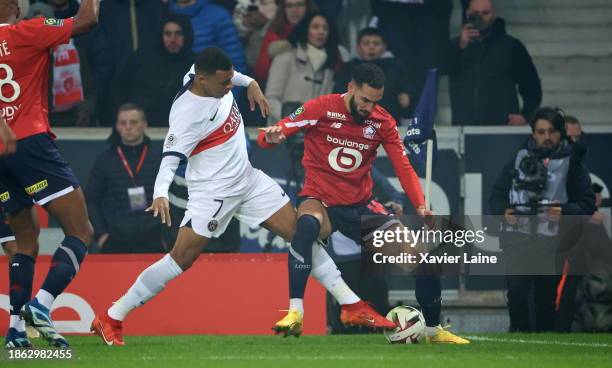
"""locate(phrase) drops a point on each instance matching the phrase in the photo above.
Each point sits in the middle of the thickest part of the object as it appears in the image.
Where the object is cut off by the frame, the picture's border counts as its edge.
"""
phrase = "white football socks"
(17, 323)
(296, 304)
(148, 284)
(326, 272)
(45, 298)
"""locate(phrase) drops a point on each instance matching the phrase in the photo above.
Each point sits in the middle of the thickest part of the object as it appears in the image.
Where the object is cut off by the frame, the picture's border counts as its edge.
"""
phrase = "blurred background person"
(120, 187)
(212, 26)
(372, 48)
(159, 80)
(486, 67)
(132, 30)
(288, 14)
(306, 69)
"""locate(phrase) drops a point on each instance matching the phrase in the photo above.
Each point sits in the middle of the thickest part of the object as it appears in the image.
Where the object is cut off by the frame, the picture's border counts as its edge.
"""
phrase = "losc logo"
(344, 159)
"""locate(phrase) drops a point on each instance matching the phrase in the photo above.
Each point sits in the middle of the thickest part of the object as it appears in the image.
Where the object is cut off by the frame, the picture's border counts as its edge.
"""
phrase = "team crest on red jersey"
(369, 132)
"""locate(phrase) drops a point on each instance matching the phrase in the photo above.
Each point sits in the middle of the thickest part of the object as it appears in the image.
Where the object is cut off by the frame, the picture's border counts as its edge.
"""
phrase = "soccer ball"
(411, 325)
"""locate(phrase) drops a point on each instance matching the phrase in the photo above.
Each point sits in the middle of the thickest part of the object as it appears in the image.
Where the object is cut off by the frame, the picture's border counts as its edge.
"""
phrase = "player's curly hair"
(370, 74)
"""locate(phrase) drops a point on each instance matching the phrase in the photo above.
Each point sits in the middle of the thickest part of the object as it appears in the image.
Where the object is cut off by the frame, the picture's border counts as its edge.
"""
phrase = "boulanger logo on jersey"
(344, 159)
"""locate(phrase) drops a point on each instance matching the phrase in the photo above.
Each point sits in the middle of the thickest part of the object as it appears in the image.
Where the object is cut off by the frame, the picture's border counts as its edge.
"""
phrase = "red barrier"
(220, 294)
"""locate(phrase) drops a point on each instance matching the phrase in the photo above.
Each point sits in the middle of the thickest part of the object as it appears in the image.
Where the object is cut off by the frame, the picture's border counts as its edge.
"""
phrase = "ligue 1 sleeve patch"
(299, 111)
(53, 22)
(170, 141)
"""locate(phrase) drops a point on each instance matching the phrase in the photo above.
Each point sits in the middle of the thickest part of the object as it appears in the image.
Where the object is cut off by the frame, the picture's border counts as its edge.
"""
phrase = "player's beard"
(358, 117)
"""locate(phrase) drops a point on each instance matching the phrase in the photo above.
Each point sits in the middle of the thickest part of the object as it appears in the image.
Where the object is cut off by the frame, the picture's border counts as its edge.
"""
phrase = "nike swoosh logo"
(370, 320)
(215, 115)
(284, 194)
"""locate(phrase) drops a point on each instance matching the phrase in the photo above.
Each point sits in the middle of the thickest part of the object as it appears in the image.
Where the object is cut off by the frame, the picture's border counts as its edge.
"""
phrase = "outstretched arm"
(87, 16)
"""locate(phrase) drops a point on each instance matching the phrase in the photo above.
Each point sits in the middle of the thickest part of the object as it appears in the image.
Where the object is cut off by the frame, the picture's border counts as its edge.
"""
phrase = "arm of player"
(8, 142)
(254, 92)
(303, 118)
(404, 170)
(86, 17)
(165, 175)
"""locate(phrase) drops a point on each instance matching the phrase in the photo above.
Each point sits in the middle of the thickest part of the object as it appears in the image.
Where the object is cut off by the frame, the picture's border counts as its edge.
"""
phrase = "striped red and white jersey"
(209, 133)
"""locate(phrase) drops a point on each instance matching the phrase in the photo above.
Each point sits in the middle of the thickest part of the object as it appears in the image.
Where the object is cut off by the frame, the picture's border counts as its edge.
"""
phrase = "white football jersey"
(209, 133)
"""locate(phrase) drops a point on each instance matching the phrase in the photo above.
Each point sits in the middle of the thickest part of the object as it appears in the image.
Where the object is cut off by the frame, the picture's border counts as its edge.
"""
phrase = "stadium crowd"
(125, 73)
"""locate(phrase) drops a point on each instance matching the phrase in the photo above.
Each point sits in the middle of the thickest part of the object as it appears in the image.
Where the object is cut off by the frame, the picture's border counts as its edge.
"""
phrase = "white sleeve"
(165, 175)
(187, 76)
(184, 134)
(241, 80)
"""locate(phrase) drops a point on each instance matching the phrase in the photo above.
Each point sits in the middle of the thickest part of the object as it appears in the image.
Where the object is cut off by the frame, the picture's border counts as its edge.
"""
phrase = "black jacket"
(132, 45)
(395, 83)
(484, 76)
(106, 192)
(581, 199)
(158, 81)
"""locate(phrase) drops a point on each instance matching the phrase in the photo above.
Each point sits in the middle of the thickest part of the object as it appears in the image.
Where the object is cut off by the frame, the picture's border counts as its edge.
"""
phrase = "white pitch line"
(541, 342)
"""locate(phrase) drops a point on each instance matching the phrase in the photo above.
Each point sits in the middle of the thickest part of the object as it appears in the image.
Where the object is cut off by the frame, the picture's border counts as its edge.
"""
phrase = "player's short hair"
(132, 107)
(370, 74)
(370, 31)
(212, 59)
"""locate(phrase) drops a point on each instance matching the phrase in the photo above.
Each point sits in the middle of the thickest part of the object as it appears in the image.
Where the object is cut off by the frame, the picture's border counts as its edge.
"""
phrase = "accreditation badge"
(138, 199)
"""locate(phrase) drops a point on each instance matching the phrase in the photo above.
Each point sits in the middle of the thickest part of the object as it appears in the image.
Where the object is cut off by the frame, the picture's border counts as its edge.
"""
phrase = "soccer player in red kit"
(35, 172)
(342, 135)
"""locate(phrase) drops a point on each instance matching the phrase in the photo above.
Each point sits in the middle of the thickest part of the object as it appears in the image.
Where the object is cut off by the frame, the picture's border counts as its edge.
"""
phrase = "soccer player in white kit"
(206, 129)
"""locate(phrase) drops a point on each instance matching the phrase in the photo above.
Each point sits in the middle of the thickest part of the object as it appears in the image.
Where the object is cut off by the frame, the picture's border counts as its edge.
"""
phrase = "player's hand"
(427, 216)
(7, 138)
(161, 206)
(256, 96)
(274, 134)
(398, 209)
(510, 217)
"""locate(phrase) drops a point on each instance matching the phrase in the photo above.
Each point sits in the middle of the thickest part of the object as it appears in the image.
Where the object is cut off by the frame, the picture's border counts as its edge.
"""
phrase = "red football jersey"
(24, 72)
(338, 152)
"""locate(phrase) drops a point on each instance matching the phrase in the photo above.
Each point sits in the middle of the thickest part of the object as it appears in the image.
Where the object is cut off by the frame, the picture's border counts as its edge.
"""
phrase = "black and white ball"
(410, 326)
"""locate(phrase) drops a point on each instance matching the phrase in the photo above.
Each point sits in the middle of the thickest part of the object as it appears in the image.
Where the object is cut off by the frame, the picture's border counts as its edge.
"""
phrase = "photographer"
(544, 181)
(486, 65)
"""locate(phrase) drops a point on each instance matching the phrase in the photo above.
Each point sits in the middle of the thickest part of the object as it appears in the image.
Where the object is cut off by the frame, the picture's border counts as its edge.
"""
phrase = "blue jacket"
(213, 26)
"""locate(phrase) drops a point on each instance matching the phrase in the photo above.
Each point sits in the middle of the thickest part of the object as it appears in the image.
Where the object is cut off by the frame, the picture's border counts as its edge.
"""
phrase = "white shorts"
(209, 216)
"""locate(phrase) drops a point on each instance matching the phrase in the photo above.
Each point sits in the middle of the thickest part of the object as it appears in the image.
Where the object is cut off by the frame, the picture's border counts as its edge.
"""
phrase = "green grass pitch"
(492, 350)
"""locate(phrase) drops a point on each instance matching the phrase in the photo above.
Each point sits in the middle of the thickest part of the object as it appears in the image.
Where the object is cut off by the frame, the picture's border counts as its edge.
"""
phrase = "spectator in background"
(120, 187)
(158, 80)
(417, 33)
(288, 14)
(372, 48)
(132, 29)
(486, 65)
(79, 70)
(212, 26)
(573, 128)
(252, 19)
(306, 69)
